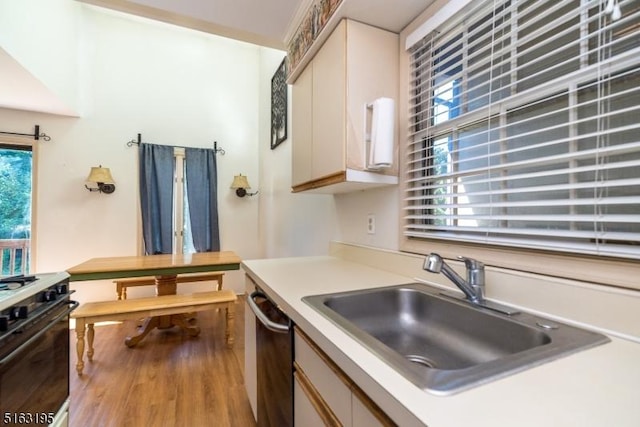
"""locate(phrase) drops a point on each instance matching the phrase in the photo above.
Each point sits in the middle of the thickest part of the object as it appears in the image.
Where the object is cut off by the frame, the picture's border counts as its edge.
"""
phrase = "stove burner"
(15, 282)
(10, 286)
(21, 278)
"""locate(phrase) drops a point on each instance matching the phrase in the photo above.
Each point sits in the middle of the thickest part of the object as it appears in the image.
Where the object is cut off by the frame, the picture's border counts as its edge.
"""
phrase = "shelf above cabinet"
(346, 181)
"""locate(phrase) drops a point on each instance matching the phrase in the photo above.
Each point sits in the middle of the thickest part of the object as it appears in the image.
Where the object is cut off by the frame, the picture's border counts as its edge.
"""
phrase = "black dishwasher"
(274, 354)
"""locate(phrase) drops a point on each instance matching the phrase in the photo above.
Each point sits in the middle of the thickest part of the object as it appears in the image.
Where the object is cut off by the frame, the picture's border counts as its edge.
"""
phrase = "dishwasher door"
(274, 348)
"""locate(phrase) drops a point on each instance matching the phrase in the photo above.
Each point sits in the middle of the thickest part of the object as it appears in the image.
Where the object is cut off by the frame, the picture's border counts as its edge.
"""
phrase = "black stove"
(27, 304)
(34, 349)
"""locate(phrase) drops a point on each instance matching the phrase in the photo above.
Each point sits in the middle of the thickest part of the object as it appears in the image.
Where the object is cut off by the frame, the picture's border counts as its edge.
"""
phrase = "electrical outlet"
(371, 224)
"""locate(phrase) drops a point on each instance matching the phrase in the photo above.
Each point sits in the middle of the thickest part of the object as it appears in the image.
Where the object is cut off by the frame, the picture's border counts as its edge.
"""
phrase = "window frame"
(16, 141)
(617, 272)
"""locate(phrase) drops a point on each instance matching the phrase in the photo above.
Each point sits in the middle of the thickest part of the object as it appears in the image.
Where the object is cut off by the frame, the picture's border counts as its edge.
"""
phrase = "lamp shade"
(100, 175)
(240, 181)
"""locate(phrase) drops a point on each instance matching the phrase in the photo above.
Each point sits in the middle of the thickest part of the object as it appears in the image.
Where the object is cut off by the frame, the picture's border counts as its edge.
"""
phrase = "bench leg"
(219, 283)
(90, 335)
(80, 345)
(230, 315)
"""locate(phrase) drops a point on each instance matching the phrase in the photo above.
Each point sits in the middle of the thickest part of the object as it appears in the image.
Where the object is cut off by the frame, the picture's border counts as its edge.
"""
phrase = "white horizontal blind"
(525, 127)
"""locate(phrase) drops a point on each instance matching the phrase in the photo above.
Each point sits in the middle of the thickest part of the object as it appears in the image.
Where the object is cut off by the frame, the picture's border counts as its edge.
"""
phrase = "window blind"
(525, 127)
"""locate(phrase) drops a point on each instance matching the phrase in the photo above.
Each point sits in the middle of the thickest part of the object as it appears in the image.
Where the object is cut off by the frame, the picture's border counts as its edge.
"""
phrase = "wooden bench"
(151, 307)
(123, 284)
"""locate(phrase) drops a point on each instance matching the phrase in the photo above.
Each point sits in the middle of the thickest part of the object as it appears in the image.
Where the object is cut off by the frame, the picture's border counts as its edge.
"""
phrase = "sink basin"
(445, 344)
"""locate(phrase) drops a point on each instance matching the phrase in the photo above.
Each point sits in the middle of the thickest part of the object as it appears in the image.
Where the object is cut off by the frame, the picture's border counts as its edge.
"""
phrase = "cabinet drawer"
(324, 376)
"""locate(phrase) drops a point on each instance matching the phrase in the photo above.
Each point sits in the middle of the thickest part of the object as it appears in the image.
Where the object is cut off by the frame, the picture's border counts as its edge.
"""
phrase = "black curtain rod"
(134, 142)
(139, 141)
(36, 135)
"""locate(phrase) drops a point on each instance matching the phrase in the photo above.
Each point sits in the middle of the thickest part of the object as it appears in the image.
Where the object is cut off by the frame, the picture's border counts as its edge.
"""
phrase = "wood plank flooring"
(168, 379)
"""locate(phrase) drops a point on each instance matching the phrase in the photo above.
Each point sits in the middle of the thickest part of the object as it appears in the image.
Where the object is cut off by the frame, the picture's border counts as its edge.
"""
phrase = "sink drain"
(421, 360)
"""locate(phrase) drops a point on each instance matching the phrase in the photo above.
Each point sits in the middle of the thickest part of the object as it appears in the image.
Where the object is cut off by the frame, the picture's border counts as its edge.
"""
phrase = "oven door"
(34, 368)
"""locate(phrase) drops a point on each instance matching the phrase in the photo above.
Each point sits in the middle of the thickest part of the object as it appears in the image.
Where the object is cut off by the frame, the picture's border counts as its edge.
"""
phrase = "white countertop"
(595, 387)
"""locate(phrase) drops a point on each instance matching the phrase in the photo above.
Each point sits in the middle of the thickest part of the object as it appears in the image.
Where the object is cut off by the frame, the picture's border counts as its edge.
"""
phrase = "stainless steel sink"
(444, 344)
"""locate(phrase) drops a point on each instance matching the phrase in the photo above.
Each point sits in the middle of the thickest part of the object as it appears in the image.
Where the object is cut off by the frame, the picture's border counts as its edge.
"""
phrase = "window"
(524, 128)
(15, 208)
(182, 238)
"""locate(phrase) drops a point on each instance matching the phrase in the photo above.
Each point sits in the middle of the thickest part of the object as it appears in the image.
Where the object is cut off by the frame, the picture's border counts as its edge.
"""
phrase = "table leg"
(165, 285)
(181, 321)
(149, 324)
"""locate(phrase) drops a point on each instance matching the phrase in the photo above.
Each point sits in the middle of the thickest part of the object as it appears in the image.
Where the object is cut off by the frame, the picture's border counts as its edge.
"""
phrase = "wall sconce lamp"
(240, 184)
(101, 180)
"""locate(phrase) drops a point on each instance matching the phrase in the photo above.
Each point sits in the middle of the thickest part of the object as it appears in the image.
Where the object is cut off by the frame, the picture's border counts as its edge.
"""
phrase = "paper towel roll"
(382, 134)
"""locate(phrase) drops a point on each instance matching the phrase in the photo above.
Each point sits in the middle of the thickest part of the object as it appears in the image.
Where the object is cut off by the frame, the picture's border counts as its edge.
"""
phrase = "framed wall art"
(279, 105)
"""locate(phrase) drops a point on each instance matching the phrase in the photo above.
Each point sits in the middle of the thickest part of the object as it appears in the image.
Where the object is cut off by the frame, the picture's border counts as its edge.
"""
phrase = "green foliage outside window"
(15, 199)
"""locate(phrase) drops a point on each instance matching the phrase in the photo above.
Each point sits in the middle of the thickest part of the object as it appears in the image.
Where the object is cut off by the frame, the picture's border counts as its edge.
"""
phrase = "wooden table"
(164, 267)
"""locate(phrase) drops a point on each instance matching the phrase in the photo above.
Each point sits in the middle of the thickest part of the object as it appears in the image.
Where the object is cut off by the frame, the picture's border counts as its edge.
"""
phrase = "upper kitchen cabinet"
(356, 65)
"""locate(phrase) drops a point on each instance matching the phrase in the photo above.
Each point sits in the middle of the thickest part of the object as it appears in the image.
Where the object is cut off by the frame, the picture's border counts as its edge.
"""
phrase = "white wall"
(353, 211)
(303, 224)
(290, 224)
(42, 35)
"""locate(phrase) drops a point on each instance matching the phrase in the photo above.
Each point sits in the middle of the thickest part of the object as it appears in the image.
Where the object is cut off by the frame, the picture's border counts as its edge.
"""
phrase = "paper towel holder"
(379, 130)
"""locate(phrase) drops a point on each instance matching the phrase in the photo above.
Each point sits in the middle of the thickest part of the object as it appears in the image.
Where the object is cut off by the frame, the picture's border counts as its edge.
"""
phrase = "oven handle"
(14, 353)
(272, 326)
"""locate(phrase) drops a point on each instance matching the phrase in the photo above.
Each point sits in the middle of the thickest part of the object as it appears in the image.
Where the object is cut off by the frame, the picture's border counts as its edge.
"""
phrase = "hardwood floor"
(168, 379)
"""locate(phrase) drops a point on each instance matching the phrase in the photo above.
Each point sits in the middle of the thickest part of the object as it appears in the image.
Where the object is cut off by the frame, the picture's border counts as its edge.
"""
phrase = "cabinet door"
(372, 72)
(307, 411)
(329, 97)
(301, 127)
(365, 413)
(331, 387)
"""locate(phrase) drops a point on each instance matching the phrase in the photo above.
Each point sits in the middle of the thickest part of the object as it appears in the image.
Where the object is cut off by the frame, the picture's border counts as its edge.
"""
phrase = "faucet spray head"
(433, 263)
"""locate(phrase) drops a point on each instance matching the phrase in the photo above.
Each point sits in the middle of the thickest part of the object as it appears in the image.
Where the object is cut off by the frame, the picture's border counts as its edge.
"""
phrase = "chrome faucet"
(473, 287)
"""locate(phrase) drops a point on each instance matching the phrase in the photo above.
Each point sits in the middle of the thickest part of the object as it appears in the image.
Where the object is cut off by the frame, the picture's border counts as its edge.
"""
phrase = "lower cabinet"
(324, 395)
(309, 408)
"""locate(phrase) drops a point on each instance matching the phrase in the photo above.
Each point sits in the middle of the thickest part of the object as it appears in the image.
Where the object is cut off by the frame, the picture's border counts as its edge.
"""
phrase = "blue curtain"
(156, 197)
(202, 194)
